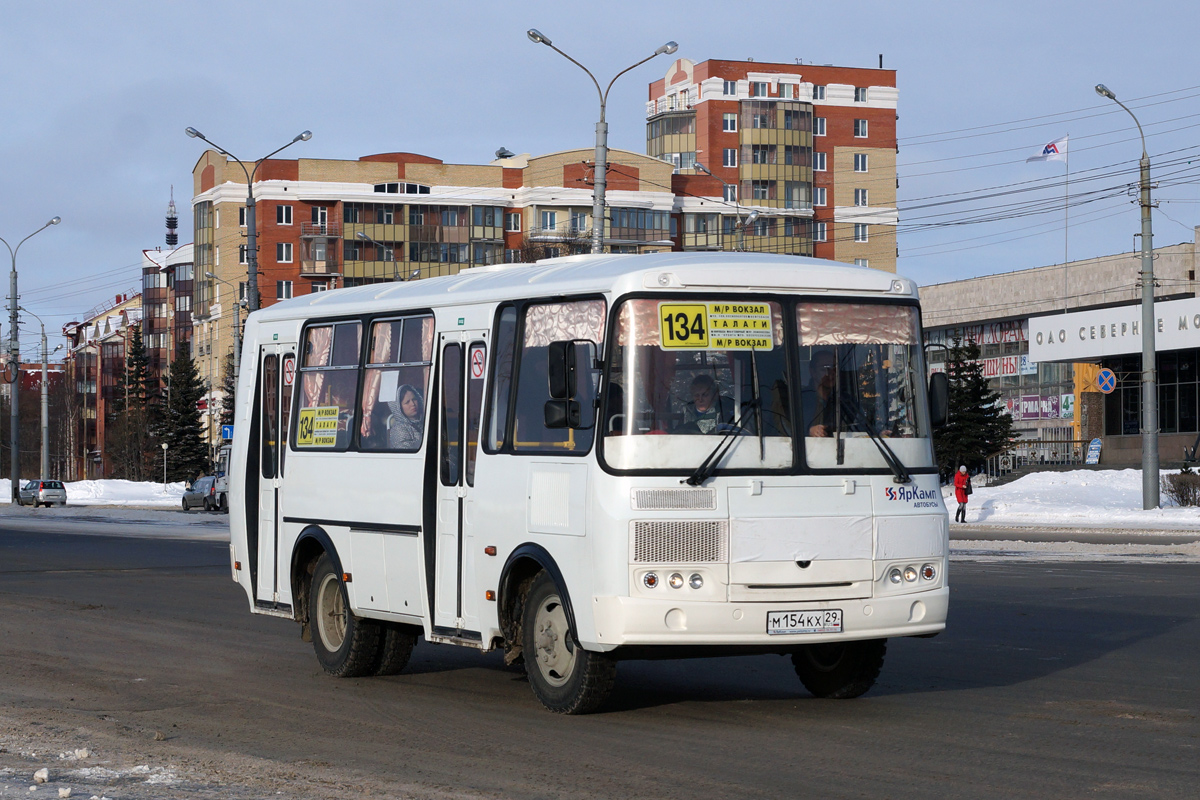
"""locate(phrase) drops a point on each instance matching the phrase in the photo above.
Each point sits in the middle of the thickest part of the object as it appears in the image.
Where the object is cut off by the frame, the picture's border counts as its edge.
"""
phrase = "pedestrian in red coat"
(962, 488)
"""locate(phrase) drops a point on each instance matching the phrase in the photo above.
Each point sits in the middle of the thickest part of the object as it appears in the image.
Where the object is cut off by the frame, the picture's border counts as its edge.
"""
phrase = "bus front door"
(276, 375)
(463, 356)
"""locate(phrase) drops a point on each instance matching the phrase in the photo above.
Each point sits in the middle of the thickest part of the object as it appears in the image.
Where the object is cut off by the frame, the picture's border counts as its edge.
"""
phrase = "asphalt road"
(1075, 680)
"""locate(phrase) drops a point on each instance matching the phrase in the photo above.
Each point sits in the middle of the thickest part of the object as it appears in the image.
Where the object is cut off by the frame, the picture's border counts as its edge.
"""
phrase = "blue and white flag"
(1055, 151)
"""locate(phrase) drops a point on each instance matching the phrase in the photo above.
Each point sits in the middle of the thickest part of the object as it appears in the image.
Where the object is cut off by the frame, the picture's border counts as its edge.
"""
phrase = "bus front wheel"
(840, 670)
(566, 678)
(346, 646)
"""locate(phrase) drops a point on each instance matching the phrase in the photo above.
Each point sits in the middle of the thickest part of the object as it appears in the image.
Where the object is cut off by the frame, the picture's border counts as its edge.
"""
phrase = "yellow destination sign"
(317, 427)
(716, 326)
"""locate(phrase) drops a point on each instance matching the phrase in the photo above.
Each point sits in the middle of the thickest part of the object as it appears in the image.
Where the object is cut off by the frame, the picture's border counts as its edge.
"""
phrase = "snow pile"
(1078, 498)
(113, 493)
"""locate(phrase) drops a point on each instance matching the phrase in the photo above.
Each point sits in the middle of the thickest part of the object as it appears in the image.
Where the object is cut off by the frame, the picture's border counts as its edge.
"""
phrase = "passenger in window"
(820, 398)
(708, 408)
(407, 422)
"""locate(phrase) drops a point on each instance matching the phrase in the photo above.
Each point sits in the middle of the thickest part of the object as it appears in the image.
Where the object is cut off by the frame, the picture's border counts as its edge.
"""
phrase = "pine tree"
(228, 389)
(976, 426)
(187, 454)
(135, 417)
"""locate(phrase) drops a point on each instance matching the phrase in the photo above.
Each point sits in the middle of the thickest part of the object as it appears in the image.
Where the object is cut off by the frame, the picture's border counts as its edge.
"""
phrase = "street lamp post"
(251, 221)
(45, 472)
(15, 359)
(164, 447)
(1150, 487)
(737, 208)
(237, 338)
(384, 248)
(601, 177)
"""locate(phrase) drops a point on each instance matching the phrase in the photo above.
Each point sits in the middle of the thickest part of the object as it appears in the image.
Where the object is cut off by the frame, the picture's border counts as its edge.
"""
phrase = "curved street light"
(601, 177)
(15, 362)
(1150, 488)
(251, 217)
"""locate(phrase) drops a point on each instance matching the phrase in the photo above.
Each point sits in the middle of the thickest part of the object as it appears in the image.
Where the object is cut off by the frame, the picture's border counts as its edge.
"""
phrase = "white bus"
(594, 458)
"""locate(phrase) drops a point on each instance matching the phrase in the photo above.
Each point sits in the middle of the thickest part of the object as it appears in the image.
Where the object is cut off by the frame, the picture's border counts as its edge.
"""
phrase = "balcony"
(313, 268)
(320, 230)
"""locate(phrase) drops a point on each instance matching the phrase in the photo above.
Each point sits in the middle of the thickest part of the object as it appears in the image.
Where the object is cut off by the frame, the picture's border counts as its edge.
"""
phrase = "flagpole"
(1066, 221)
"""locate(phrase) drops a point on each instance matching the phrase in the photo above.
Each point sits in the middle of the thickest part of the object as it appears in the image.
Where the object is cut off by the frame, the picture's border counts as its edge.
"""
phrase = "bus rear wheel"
(840, 670)
(566, 678)
(347, 646)
(396, 644)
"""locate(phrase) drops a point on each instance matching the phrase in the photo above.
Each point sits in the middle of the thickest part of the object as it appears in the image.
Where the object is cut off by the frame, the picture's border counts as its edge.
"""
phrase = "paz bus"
(596, 458)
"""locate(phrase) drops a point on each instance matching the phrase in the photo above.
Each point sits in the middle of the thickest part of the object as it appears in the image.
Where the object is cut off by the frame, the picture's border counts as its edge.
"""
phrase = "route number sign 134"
(715, 326)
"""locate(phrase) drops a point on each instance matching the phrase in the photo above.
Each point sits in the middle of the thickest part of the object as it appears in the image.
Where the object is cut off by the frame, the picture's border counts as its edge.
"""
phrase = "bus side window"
(328, 385)
(395, 386)
(501, 392)
(546, 323)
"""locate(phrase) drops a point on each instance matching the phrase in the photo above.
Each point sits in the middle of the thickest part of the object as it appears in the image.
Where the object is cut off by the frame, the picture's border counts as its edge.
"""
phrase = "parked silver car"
(200, 493)
(39, 492)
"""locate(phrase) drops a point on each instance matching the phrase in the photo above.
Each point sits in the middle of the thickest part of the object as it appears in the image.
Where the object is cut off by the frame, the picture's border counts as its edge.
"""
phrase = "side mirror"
(560, 369)
(939, 398)
(563, 414)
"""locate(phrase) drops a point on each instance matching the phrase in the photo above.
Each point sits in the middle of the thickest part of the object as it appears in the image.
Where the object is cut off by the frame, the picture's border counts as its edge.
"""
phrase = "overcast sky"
(97, 95)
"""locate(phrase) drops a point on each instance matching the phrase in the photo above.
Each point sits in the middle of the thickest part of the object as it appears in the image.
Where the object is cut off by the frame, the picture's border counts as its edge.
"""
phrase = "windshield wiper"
(889, 456)
(709, 465)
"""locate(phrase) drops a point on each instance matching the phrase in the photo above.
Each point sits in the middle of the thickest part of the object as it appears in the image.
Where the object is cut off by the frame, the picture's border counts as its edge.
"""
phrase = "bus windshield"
(686, 369)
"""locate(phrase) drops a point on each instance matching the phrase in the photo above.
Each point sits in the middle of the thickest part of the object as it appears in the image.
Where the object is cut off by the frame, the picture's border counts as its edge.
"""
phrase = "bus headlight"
(696, 580)
(676, 580)
(895, 576)
(910, 574)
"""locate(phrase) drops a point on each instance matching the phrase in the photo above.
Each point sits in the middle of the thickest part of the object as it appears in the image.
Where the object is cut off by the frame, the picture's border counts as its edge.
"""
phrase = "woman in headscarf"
(408, 419)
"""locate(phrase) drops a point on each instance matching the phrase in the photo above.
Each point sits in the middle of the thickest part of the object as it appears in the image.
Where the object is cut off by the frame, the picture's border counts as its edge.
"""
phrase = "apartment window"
(787, 91)
(860, 128)
(818, 195)
(792, 121)
(512, 256)
(860, 232)
(512, 222)
(283, 215)
(818, 162)
(283, 290)
(818, 93)
(729, 123)
(579, 221)
(283, 252)
(217, 256)
(730, 157)
(761, 120)
(731, 194)
(818, 126)
(183, 303)
(860, 162)
(549, 220)
(241, 291)
(819, 227)
(241, 216)
(860, 94)
(319, 287)
(242, 254)
(760, 190)
(860, 197)
(730, 88)
(758, 89)
(385, 215)
(793, 155)
(761, 154)
(861, 262)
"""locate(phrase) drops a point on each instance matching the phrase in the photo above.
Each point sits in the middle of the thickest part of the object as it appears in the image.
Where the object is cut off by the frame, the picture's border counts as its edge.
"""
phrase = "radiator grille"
(674, 500)
(680, 542)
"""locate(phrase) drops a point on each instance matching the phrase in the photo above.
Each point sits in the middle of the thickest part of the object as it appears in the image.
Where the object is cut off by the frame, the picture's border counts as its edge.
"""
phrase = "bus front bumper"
(641, 621)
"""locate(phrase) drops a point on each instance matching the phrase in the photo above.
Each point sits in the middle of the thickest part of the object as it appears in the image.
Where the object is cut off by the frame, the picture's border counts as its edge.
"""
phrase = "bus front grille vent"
(680, 542)
(674, 500)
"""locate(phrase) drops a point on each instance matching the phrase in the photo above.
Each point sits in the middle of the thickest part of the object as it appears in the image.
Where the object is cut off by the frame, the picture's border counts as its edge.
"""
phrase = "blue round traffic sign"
(1106, 380)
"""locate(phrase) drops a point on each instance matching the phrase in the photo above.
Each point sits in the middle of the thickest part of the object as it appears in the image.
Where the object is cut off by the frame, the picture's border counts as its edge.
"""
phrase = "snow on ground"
(114, 493)
(1075, 499)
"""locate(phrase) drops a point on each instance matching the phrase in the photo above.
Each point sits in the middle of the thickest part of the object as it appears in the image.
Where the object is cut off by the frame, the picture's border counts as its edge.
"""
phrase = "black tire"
(566, 678)
(396, 644)
(185, 505)
(347, 646)
(223, 506)
(840, 670)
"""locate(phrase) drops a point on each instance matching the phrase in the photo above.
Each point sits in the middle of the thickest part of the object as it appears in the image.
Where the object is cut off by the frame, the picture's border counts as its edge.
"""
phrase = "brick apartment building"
(817, 140)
